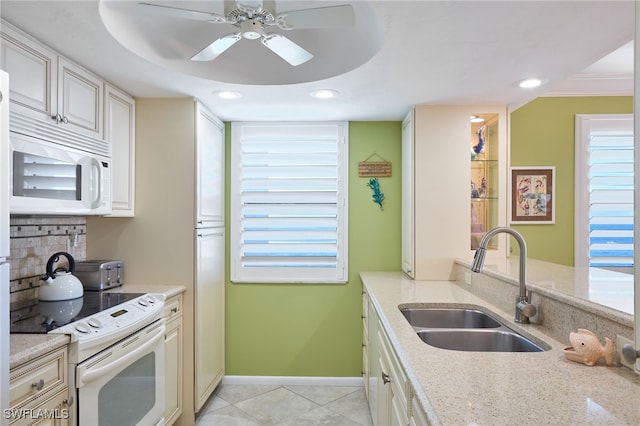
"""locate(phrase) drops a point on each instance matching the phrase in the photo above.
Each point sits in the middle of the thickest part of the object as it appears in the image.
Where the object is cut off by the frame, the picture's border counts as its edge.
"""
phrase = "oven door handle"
(91, 375)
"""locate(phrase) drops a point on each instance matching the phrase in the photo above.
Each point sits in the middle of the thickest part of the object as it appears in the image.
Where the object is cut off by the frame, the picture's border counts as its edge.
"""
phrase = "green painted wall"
(542, 134)
(316, 329)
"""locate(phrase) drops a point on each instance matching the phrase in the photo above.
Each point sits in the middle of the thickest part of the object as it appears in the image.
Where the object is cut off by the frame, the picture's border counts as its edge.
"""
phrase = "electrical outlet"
(467, 277)
(620, 342)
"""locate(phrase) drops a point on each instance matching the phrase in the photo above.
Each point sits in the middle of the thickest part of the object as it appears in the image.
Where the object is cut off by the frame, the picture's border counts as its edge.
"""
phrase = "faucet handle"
(527, 309)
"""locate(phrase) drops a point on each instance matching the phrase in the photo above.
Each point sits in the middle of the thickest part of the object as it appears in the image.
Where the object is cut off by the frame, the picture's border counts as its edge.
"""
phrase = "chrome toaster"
(99, 275)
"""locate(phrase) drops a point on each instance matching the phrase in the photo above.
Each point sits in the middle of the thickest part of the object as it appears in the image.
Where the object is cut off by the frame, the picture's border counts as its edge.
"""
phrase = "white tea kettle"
(60, 284)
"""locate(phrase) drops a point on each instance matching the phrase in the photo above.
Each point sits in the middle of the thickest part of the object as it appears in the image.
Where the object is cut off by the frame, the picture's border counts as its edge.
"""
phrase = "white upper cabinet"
(79, 99)
(408, 243)
(436, 179)
(34, 73)
(49, 87)
(209, 169)
(119, 129)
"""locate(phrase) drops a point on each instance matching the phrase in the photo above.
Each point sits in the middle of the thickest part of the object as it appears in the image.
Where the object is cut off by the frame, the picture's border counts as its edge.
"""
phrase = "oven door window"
(128, 397)
(124, 384)
(35, 176)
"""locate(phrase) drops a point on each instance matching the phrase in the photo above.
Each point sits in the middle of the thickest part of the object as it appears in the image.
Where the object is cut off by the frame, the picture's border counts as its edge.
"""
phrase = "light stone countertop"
(599, 290)
(26, 347)
(495, 388)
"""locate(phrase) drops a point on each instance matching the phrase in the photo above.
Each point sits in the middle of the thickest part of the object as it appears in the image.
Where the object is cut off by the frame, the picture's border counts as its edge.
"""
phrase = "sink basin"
(485, 340)
(466, 329)
(448, 318)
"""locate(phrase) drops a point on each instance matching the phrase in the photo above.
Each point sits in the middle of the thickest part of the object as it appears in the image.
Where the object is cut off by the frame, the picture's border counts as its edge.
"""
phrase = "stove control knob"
(142, 301)
(151, 299)
(95, 323)
(82, 328)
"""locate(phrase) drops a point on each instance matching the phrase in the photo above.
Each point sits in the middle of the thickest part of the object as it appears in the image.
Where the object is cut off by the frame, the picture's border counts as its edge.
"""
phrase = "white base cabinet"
(209, 313)
(39, 391)
(173, 342)
(389, 393)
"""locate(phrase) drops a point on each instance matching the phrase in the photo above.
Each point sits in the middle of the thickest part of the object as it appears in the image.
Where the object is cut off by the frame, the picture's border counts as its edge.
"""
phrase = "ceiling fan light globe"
(251, 35)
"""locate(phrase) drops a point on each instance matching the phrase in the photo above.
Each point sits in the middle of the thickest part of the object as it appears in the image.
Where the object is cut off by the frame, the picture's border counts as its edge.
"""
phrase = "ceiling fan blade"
(213, 50)
(321, 17)
(175, 12)
(286, 49)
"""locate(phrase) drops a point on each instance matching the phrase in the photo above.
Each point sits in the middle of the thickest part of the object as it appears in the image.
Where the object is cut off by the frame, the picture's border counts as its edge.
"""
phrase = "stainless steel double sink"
(467, 329)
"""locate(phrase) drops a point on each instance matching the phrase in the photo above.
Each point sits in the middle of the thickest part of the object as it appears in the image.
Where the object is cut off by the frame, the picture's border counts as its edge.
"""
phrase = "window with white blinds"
(611, 200)
(604, 205)
(289, 202)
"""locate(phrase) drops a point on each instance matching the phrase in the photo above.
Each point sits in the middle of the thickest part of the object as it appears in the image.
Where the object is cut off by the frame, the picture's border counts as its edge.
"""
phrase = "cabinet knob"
(60, 119)
(174, 310)
(385, 378)
(38, 385)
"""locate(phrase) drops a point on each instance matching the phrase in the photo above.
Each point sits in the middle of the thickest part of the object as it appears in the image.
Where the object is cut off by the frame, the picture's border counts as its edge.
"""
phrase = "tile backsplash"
(33, 240)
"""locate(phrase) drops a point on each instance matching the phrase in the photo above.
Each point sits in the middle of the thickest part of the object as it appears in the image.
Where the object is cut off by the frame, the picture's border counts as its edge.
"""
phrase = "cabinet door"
(120, 131)
(209, 169)
(80, 99)
(209, 312)
(173, 370)
(33, 70)
(384, 392)
(373, 354)
(54, 411)
(407, 196)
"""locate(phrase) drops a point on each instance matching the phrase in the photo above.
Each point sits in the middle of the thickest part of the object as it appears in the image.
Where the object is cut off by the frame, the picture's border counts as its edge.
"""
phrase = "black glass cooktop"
(38, 316)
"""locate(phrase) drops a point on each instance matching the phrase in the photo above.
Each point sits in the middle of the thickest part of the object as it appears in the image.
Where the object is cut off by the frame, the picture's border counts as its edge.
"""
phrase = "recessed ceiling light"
(324, 93)
(476, 119)
(228, 94)
(530, 83)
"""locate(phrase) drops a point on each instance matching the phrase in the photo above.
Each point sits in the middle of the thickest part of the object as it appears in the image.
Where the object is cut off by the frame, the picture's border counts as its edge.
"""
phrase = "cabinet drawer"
(38, 377)
(173, 307)
(54, 411)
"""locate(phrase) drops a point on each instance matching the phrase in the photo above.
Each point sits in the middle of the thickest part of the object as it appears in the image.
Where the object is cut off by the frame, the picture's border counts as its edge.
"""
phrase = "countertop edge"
(27, 347)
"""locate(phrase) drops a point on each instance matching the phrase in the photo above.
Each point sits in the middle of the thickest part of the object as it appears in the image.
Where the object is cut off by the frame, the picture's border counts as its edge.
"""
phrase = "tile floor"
(273, 405)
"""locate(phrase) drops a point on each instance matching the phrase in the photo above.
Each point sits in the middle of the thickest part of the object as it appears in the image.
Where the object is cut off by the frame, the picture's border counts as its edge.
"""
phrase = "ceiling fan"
(252, 17)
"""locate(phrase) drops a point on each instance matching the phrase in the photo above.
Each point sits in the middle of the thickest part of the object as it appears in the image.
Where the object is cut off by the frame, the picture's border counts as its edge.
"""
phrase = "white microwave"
(52, 178)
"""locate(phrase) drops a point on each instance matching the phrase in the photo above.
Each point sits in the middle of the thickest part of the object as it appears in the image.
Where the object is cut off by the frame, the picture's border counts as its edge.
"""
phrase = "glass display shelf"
(484, 176)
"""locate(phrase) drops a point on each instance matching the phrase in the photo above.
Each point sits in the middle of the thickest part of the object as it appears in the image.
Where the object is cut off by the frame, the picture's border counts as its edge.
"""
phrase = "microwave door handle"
(96, 183)
(93, 374)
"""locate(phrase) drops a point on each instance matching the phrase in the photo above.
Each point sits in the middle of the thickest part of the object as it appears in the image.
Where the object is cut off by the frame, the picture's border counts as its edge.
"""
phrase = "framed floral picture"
(532, 193)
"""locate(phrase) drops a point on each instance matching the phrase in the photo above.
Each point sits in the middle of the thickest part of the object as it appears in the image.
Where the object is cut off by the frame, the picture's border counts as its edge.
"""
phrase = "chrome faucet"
(524, 308)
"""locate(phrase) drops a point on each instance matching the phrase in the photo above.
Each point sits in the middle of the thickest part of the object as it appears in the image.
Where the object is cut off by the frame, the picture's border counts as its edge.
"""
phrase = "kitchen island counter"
(498, 388)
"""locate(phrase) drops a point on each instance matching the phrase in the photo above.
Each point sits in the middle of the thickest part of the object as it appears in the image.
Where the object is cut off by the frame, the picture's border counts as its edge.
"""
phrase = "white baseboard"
(293, 381)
